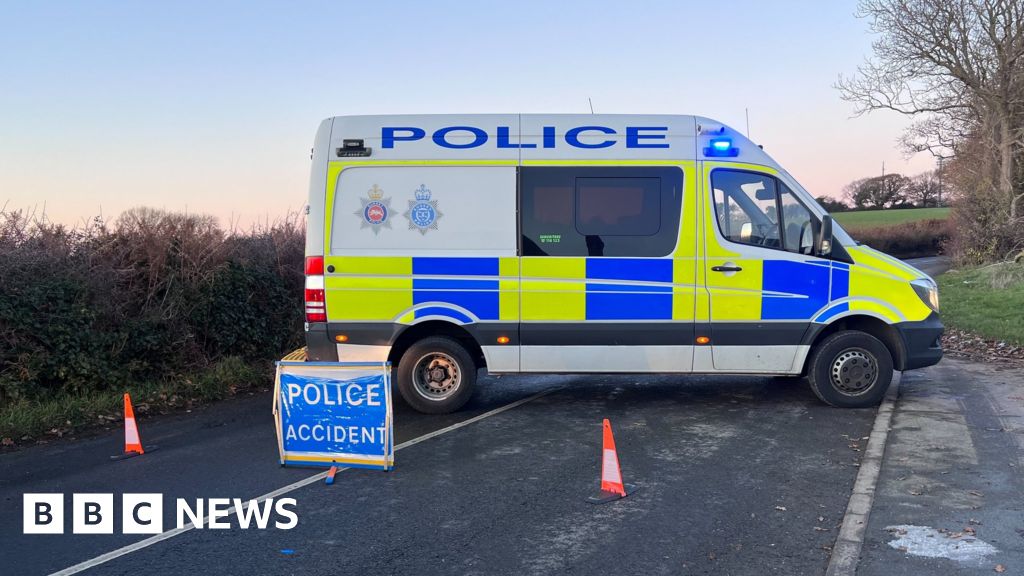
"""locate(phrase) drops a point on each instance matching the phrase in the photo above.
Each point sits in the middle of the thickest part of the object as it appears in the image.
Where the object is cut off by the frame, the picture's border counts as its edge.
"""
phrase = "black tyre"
(850, 369)
(436, 375)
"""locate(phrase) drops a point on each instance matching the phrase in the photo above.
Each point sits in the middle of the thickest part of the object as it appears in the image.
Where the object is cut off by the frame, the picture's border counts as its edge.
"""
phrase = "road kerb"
(846, 550)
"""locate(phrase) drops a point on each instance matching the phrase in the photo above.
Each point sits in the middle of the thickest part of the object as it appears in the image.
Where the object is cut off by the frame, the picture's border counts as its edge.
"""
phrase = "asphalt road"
(931, 265)
(737, 476)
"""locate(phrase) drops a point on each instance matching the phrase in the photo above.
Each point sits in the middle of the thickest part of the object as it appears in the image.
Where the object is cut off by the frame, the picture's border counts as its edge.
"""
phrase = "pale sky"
(212, 106)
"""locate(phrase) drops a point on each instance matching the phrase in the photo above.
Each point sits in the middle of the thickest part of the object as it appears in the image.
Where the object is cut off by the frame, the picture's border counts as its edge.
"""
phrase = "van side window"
(599, 211)
(746, 208)
(798, 227)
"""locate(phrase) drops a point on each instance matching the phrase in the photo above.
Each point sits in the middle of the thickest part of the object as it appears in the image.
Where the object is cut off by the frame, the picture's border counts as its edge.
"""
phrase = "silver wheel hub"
(436, 376)
(853, 371)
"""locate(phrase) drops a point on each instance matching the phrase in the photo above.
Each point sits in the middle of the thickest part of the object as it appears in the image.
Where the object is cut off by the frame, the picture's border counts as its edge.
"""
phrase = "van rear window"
(600, 211)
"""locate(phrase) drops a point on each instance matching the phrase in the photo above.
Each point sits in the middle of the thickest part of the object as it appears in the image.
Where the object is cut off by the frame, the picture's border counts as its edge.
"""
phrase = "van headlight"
(927, 291)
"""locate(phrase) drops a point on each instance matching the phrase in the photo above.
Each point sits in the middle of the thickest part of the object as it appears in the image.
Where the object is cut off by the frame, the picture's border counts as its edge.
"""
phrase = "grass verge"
(26, 420)
(986, 301)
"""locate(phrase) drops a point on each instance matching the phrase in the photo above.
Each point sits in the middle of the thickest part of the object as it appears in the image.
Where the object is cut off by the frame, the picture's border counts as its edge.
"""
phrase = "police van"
(591, 244)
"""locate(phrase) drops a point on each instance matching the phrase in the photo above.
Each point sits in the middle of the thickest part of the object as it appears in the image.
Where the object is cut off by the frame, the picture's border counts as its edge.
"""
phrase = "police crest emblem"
(375, 210)
(423, 213)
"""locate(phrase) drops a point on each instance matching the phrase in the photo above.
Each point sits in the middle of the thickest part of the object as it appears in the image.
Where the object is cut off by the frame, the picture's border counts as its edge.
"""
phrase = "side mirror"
(823, 247)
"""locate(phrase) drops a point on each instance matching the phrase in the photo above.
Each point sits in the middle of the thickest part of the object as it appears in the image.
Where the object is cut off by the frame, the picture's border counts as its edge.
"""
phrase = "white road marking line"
(103, 558)
(846, 551)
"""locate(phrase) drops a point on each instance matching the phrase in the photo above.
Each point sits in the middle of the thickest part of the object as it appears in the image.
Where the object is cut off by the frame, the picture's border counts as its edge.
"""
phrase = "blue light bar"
(721, 147)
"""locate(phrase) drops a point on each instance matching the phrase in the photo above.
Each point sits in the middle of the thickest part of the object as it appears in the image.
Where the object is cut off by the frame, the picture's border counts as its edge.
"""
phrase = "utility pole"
(939, 201)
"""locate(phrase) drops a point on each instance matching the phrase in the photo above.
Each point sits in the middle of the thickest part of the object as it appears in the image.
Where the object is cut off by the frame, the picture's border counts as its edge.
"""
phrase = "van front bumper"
(921, 342)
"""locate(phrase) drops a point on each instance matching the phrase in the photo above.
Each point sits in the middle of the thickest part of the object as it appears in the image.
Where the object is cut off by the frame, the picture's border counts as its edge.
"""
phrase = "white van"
(592, 243)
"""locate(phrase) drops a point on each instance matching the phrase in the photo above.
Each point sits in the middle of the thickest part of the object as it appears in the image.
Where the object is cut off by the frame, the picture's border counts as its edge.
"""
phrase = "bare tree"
(958, 67)
(923, 189)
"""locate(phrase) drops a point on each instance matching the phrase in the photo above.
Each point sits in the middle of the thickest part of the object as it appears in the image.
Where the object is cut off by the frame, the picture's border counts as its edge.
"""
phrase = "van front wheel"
(436, 375)
(850, 369)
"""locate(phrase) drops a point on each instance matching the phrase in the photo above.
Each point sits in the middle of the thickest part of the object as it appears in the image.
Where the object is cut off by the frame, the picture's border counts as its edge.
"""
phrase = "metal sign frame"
(384, 461)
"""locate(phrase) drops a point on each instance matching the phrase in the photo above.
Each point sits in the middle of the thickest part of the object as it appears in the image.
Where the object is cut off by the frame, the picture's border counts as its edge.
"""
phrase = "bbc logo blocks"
(93, 514)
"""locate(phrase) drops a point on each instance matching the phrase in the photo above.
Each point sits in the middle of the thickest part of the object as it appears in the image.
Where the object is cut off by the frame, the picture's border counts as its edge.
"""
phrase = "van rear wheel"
(850, 369)
(436, 375)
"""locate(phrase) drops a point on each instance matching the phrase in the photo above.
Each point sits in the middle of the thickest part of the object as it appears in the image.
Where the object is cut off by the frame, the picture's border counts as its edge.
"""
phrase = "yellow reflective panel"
(549, 291)
(370, 265)
(375, 304)
(508, 286)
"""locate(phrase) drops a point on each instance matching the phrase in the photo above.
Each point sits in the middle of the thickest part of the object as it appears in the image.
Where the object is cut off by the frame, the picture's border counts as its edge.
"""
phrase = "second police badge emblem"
(423, 213)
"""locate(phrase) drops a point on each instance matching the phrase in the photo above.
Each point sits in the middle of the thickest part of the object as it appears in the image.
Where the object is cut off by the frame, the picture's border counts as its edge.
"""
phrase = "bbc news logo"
(144, 513)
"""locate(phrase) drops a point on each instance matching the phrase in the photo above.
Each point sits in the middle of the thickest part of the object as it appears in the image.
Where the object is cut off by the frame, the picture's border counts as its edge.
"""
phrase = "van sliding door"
(599, 290)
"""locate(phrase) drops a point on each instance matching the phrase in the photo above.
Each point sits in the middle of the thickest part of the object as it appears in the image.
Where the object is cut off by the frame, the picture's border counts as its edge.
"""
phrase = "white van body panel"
(481, 198)
(604, 359)
(317, 187)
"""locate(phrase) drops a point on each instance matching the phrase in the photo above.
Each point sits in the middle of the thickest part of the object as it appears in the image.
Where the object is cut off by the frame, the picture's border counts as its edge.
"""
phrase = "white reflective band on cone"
(131, 432)
(611, 468)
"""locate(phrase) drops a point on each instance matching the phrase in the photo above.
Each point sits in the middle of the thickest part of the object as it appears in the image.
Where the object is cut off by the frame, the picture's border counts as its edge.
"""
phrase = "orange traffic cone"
(132, 442)
(612, 487)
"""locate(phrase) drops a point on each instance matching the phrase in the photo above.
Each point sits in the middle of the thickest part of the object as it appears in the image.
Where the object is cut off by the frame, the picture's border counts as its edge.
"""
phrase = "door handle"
(726, 269)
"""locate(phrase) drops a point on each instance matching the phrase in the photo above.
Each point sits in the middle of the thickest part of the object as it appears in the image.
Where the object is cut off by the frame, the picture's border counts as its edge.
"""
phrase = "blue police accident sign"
(334, 413)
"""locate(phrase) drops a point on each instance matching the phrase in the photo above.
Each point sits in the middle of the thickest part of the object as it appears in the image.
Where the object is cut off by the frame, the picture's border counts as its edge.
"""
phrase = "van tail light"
(314, 265)
(316, 309)
(316, 301)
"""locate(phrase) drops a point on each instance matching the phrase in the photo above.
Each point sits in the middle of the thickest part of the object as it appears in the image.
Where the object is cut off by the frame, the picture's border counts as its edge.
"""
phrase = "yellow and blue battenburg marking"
(474, 289)
(614, 289)
(470, 283)
(646, 296)
(840, 290)
(793, 290)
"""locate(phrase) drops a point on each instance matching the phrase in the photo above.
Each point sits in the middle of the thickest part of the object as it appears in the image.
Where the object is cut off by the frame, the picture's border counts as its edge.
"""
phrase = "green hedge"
(152, 296)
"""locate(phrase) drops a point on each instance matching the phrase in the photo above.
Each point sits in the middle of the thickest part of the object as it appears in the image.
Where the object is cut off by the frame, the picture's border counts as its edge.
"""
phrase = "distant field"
(879, 218)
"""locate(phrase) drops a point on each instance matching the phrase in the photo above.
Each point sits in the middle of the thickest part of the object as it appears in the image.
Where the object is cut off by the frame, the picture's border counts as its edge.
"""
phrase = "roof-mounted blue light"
(721, 147)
